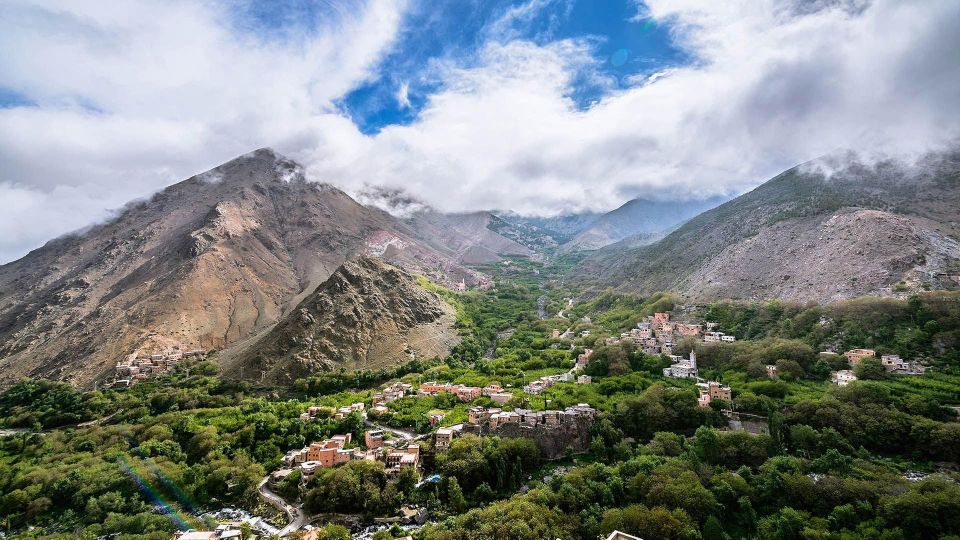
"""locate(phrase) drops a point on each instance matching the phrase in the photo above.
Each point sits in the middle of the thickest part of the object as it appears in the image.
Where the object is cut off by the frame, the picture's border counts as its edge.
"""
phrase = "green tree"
(870, 369)
(712, 530)
(455, 498)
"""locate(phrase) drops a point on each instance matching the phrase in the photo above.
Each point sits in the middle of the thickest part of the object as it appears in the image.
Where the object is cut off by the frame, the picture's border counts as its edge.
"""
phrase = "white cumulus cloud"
(132, 96)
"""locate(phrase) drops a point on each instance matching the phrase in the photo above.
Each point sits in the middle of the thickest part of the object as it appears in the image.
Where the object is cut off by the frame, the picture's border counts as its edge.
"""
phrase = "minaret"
(693, 360)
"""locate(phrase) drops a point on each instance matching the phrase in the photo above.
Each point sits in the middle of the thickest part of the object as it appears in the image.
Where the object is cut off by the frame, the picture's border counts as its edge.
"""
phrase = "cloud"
(131, 98)
(773, 85)
(403, 95)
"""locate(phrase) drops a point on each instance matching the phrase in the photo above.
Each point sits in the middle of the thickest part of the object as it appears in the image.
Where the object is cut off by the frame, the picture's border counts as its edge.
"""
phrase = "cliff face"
(553, 441)
(369, 314)
(806, 236)
(206, 263)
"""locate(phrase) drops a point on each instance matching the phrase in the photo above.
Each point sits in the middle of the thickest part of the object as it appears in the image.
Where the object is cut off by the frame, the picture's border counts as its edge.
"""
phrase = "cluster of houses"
(463, 393)
(686, 368)
(392, 393)
(541, 384)
(138, 366)
(494, 418)
(656, 334)
(332, 452)
(891, 362)
(319, 411)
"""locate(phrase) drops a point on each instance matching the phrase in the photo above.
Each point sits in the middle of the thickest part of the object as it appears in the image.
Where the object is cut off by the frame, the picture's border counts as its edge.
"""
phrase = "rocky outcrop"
(554, 442)
(368, 314)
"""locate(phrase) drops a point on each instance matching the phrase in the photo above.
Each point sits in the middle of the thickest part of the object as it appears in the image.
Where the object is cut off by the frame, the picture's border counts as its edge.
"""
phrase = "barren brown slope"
(805, 235)
(469, 237)
(206, 262)
(369, 314)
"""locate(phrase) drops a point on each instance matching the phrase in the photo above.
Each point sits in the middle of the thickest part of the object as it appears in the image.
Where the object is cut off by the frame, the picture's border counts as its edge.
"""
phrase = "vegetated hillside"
(205, 263)
(642, 220)
(472, 238)
(368, 315)
(807, 235)
(925, 326)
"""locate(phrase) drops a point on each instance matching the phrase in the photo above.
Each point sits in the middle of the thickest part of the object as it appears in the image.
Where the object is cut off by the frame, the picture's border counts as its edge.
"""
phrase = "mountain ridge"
(889, 220)
(642, 219)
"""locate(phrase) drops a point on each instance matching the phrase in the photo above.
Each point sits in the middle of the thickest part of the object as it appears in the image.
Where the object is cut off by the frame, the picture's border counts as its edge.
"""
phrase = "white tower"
(693, 360)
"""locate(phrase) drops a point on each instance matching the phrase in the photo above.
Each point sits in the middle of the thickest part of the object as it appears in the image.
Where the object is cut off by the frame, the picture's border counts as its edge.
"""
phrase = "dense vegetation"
(926, 325)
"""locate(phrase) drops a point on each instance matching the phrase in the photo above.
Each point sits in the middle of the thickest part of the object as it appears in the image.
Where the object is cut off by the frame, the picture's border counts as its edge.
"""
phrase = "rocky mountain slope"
(368, 314)
(207, 262)
(551, 231)
(644, 220)
(472, 238)
(469, 237)
(823, 231)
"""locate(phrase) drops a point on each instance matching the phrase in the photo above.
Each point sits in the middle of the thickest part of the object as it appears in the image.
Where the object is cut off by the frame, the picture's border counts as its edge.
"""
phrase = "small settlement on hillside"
(139, 366)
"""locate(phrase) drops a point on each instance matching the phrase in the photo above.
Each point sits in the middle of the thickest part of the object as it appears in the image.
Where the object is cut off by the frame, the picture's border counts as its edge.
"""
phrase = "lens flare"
(180, 519)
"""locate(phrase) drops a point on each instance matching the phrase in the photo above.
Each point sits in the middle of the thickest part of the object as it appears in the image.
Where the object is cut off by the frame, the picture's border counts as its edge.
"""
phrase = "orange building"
(854, 356)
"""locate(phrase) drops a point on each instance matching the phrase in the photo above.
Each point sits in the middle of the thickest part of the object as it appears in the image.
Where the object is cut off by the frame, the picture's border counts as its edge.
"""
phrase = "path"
(542, 307)
(294, 513)
(99, 421)
(402, 433)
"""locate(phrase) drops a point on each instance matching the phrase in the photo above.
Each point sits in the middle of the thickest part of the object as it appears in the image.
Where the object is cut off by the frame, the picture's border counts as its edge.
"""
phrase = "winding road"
(295, 514)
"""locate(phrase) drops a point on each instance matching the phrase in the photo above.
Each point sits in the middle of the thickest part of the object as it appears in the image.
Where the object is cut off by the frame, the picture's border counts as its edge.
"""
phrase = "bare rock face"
(209, 262)
(471, 238)
(806, 235)
(369, 314)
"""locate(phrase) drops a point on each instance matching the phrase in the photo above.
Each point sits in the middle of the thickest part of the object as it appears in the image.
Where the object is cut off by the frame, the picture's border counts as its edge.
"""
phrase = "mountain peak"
(261, 165)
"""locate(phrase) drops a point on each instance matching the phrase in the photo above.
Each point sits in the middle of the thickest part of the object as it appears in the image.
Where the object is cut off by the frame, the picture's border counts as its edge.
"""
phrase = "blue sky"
(542, 107)
(625, 44)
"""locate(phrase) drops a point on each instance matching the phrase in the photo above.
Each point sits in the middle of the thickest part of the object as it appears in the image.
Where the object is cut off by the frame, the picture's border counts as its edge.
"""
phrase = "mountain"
(471, 238)
(368, 314)
(644, 220)
(823, 231)
(205, 263)
(549, 231)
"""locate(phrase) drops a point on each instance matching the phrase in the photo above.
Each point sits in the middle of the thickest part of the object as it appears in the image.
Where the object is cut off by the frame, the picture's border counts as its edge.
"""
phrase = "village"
(556, 432)
(139, 366)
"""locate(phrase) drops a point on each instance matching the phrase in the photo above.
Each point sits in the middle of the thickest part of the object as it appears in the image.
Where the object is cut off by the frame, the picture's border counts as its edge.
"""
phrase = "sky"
(541, 107)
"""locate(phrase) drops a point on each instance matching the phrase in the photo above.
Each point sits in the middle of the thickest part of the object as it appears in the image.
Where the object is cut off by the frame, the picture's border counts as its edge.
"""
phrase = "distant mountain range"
(645, 220)
(240, 259)
(806, 235)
